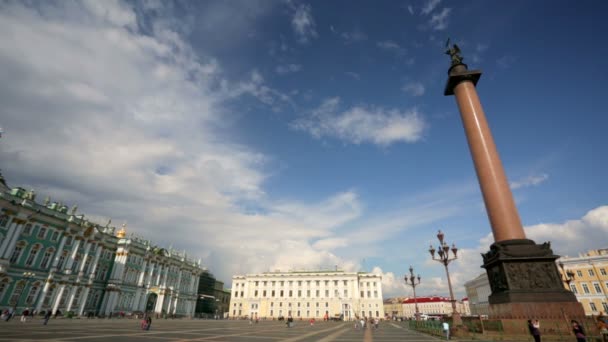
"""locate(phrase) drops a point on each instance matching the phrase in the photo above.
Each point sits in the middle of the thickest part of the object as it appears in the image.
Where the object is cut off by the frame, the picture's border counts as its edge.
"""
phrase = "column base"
(525, 282)
(539, 310)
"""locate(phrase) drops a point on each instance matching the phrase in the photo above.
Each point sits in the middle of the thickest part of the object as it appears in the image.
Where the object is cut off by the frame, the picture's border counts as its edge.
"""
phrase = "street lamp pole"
(411, 281)
(443, 257)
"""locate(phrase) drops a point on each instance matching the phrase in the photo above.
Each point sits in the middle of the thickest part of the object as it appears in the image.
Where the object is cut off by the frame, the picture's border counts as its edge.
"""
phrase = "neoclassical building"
(588, 279)
(304, 295)
(52, 259)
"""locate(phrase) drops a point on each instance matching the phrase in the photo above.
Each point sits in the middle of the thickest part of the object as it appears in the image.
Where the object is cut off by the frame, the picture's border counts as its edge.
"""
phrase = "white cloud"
(429, 6)
(287, 68)
(303, 23)
(414, 88)
(410, 9)
(353, 75)
(531, 180)
(136, 126)
(439, 21)
(353, 36)
(361, 124)
(389, 45)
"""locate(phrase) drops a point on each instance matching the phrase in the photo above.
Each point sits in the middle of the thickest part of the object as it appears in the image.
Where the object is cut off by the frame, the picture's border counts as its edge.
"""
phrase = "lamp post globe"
(443, 256)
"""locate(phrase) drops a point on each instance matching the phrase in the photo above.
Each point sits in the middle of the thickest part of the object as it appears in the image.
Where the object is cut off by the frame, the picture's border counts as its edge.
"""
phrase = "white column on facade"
(10, 232)
(151, 272)
(75, 245)
(159, 274)
(58, 298)
(140, 284)
(164, 279)
(83, 300)
(87, 248)
(71, 297)
(59, 251)
(159, 302)
(93, 268)
(13, 241)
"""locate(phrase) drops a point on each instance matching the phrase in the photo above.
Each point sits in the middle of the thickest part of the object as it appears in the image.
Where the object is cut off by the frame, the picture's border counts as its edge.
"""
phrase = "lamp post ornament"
(411, 281)
(443, 252)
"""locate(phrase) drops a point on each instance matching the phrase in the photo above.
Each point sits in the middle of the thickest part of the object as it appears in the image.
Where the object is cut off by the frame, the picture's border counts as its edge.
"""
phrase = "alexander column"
(523, 275)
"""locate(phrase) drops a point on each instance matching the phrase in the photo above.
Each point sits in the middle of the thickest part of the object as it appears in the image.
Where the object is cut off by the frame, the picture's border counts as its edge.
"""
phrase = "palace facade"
(304, 295)
(52, 259)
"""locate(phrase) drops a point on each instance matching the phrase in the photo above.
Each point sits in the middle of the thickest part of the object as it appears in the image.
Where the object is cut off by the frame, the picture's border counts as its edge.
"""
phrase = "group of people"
(7, 314)
(577, 329)
(370, 322)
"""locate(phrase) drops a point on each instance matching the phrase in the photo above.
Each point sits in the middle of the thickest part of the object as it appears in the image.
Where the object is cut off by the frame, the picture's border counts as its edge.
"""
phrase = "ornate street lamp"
(411, 281)
(567, 275)
(443, 252)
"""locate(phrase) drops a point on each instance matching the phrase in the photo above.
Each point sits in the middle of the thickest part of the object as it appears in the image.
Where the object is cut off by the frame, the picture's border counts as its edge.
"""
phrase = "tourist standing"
(47, 316)
(446, 329)
(578, 331)
(534, 328)
(24, 315)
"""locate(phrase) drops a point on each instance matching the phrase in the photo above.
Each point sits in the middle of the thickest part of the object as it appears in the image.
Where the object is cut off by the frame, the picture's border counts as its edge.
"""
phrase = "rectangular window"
(299, 293)
(603, 271)
(317, 294)
(586, 288)
(591, 273)
(579, 273)
(308, 293)
(16, 294)
(290, 293)
(597, 287)
(375, 294)
(255, 293)
(345, 293)
(264, 293)
(270, 313)
(68, 241)
(593, 307)
(318, 282)
(326, 293)
(31, 295)
(362, 294)
(336, 293)
(604, 304)
(55, 236)
(335, 283)
(369, 294)
(41, 233)
(299, 283)
(256, 283)
(281, 293)
(272, 293)
(27, 229)
(242, 293)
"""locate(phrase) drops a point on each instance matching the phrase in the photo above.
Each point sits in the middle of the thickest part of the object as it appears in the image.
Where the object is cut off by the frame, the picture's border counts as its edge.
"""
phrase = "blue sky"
(264, 135)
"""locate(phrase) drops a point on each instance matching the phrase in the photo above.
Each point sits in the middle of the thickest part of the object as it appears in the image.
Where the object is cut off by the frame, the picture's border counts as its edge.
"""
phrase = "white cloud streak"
(529, 181)
(429, 6)
(361, 124)
(439, 21)
(303, 23)
(287, 68)
(413, 88)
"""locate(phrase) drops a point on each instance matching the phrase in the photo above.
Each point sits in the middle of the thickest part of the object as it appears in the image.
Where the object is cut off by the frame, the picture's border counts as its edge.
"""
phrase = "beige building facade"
(590, 279)
(307, 294)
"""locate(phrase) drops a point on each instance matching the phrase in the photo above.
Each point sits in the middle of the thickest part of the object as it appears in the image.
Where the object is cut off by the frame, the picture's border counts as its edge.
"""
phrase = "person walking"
(47, 316)
(24, 315)
(446, 329)
(534, 328)
(578, 331)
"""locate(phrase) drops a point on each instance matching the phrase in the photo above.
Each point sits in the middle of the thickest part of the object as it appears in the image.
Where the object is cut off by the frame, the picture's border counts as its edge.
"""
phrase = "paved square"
(118, 330)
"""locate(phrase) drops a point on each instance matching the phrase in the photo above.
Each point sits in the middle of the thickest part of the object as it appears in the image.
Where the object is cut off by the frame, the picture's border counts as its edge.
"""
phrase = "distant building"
(478, 290)
(213, 300)
(590, 283)
(307, 294)
(393, 307)
(433, 306)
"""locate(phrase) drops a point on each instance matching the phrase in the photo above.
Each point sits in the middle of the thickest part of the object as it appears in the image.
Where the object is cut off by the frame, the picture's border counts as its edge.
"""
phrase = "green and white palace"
(52, 259)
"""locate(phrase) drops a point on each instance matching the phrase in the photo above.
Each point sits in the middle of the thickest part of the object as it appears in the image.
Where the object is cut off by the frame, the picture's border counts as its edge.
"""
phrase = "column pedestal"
(525, 282)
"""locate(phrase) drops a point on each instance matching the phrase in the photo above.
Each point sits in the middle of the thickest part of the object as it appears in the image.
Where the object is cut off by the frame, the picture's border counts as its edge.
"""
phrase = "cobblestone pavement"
(201, 330)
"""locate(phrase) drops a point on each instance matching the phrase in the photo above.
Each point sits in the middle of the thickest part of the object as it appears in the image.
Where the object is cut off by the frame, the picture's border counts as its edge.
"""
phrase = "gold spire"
(122, 232)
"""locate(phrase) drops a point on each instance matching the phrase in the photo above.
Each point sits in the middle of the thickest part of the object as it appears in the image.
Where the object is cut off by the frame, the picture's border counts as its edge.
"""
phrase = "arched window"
(16, 293)
(32, 256)
(3, 287)
(17, 252)
(4, 221)
(33, 294)
(47, 257)
(49, 295)
(28, 229)
(62, 257)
